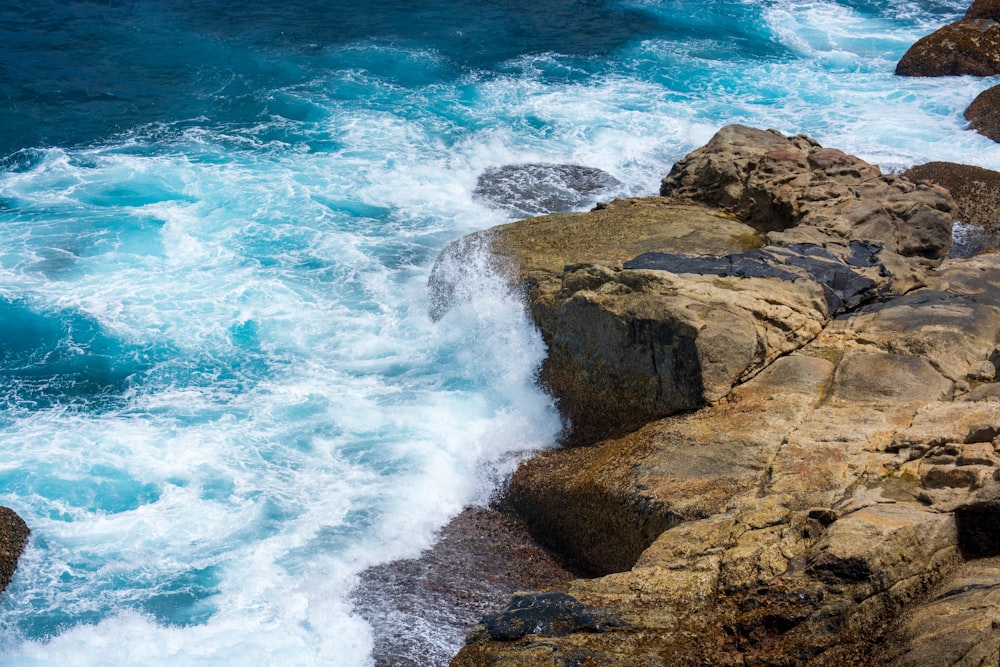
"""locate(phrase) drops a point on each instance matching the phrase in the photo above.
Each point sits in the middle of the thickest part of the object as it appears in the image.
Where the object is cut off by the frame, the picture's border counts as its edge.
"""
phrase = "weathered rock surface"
(984, 113)
(772, 476)
(976, 190)
(984, 9)
(420, 608)
(13, 538)
(977, 195)
(970, 46)
(629, 344)
(797, 191)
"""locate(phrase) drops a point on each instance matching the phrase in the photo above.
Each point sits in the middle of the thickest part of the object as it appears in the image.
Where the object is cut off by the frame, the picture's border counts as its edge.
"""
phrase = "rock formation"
(784, 392)
(969, 46)
(977, 195)
(13, 538)
(984, 113)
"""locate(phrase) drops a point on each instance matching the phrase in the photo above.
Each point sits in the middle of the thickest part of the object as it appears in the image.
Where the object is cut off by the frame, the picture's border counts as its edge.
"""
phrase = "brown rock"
(821, 480)
(959, 625)
(984, 117)
(13, 538)
(976, 190)
(799, 191)
(984, 9)
(970, 46)
(665, 333)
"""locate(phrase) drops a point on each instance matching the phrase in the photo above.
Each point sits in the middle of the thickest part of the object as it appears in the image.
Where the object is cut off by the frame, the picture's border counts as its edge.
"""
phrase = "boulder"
(970, 46)
(539, 188)
(977, 196)
(795, 190)
(983, 9)
(660, 305)
(785, 448)
(13, 538)
(984, 113)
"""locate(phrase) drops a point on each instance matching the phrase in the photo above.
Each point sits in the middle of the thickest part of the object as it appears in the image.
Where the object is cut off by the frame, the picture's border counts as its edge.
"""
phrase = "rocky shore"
(783, 418)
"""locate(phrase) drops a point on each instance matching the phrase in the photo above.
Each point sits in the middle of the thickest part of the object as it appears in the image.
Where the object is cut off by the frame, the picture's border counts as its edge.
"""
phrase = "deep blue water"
(222, 395)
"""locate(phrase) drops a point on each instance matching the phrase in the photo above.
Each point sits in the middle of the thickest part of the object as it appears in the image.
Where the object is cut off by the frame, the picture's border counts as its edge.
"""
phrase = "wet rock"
(538, 189)
(421, 609)
(984, 114)
(844, 288)
(546, 614)
(532, 253)
(969, 46)
(13, 538)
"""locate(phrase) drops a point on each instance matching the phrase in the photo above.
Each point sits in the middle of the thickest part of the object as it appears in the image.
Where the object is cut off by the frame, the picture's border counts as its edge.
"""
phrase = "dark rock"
(984, 113)
(421, 609)
(844, 289)
(550, 614)
(538, 189)
(978, 526)
(984, 9)
(13, 538)
(970, 46)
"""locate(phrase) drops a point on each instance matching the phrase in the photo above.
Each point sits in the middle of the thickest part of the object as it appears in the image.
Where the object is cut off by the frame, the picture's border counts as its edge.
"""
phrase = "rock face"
(984, 113)
(969, 46)
(13, 538)
(977, 195)
(790, 449)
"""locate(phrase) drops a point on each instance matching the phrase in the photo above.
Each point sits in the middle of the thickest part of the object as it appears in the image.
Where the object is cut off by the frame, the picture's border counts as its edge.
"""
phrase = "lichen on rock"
(13, 538)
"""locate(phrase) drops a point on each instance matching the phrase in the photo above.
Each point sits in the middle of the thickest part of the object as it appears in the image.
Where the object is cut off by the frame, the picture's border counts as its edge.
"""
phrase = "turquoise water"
(222, 394)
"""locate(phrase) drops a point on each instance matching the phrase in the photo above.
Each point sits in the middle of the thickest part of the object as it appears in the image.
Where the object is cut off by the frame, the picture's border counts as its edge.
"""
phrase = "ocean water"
(222, 395)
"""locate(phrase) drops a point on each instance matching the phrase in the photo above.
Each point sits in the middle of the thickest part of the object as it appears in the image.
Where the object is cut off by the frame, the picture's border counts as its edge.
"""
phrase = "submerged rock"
(538, 188)
(13, 538)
